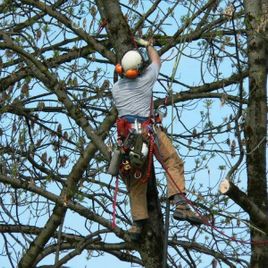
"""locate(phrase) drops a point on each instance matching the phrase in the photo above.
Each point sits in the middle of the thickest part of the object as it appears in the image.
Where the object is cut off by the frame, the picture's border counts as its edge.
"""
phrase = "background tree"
(57, 130)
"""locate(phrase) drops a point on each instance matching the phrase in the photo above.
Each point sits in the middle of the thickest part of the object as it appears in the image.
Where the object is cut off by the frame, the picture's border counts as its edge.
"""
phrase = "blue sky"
(188, 72)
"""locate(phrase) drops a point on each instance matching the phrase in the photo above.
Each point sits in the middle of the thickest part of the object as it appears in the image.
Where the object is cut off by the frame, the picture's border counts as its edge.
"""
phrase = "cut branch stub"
(224, 186)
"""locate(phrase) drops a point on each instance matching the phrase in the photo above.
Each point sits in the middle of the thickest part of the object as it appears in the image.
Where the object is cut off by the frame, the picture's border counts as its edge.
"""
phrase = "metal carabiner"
(126, 165)
(137, 175)
(162, 111)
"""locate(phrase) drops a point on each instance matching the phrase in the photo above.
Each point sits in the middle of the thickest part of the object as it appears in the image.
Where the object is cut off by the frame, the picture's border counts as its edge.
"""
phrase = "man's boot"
(183, 211)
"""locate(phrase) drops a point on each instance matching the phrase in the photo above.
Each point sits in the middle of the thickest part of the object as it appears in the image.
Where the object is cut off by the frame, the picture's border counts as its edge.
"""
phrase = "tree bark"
(151, 246)
(117, 28)
(256, 122)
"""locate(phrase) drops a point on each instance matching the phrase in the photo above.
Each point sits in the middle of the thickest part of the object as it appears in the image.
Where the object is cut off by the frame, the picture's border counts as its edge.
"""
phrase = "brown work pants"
(168, 156)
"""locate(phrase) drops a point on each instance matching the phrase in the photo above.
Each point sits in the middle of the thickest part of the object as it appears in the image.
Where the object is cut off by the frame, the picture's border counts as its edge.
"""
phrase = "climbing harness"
(133, 146)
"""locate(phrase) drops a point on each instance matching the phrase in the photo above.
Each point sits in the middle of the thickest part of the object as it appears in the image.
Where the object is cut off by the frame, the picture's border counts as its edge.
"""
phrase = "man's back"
(133, 96)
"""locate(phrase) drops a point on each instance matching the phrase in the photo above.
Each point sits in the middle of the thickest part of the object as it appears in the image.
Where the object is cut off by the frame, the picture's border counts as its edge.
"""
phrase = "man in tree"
(133, 99)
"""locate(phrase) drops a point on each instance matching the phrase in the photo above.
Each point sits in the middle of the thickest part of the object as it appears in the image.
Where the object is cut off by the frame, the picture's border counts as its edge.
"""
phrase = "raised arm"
(153, 55)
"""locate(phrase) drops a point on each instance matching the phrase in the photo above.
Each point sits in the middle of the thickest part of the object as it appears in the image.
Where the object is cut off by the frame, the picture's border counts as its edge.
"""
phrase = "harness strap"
(123, 126)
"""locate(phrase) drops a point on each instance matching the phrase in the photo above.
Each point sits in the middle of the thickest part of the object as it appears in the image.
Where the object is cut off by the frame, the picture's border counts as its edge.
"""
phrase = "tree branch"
(258, 217)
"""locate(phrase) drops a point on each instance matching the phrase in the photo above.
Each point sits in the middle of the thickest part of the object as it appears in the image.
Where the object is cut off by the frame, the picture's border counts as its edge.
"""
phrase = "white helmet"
(132, 60)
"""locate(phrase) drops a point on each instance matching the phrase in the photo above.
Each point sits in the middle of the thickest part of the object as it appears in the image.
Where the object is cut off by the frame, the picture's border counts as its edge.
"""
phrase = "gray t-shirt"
(133, 96)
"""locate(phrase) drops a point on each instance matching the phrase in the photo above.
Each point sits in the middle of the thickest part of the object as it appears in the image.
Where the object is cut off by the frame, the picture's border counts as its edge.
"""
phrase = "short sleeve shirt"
(133, 96)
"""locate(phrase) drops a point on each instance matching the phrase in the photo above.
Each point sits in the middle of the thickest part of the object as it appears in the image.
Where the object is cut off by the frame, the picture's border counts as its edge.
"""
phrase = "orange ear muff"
(132, 73)
(119, 68)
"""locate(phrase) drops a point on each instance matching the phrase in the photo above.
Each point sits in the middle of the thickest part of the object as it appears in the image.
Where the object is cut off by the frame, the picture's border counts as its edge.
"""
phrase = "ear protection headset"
(131, 64)
(131, 73)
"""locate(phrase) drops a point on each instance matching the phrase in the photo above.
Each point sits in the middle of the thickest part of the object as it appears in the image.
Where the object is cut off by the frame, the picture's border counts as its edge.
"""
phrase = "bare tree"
(57, 131)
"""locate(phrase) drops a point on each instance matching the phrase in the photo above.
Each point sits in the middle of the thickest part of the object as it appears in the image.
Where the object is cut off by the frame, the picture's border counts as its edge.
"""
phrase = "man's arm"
(153, 55)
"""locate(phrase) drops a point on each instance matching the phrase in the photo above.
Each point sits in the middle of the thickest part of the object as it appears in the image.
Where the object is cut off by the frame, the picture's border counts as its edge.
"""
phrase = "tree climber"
(133, 99)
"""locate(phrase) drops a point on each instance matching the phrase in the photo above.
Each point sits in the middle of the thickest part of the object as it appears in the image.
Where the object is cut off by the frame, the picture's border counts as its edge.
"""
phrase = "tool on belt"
(131, 153)
(134, 147)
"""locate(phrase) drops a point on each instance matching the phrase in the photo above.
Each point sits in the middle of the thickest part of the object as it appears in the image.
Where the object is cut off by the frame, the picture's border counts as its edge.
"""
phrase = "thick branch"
(239, 197)
(117, 27)
(62, 201)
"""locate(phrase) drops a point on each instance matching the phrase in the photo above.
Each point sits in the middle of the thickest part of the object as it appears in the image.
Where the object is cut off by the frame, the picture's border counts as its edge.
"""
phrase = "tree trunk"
(150, 245)
(117, 28)
(256, 128)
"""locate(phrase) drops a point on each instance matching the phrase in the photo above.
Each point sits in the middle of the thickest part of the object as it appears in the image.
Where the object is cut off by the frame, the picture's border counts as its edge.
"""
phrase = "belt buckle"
(137, 126)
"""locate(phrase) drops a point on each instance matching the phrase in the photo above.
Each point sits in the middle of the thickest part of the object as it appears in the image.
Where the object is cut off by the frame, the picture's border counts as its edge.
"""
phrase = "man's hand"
(152, 53)
(143, 42)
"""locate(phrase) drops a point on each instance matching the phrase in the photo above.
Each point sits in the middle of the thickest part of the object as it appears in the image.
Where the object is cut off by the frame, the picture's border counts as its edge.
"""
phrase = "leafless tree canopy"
(57, 131)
